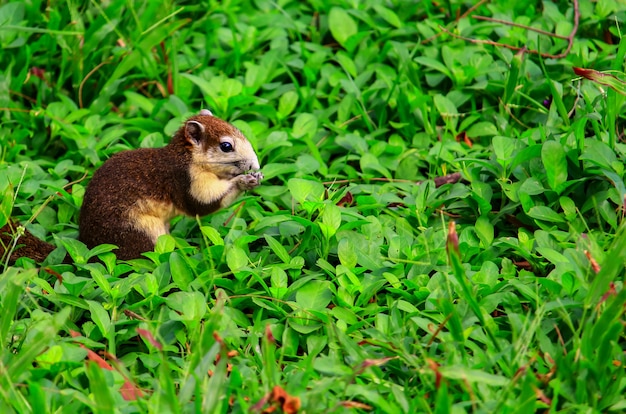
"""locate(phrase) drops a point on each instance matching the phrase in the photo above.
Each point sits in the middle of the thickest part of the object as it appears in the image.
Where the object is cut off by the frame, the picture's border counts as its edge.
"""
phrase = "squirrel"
(133, 196)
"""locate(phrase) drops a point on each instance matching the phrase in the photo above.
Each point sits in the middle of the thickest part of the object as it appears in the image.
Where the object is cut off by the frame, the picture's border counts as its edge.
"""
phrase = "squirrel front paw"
(249, 181)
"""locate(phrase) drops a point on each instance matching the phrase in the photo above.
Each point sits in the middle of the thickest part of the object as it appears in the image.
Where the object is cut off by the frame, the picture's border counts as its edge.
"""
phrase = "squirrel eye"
(226, 147)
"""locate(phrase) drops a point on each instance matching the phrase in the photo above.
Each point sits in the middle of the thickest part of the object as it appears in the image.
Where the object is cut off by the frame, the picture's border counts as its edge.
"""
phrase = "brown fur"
(132, 197)
(27, 245)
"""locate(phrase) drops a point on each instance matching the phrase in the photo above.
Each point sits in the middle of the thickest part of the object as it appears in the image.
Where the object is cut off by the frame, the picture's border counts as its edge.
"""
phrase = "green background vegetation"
(332, 280)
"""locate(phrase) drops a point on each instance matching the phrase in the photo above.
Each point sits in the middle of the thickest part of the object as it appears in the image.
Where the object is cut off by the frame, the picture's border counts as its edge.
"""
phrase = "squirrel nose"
(253, 164)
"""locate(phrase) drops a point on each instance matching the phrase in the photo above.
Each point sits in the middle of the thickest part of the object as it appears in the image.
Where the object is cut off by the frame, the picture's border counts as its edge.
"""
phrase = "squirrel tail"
(27, 244)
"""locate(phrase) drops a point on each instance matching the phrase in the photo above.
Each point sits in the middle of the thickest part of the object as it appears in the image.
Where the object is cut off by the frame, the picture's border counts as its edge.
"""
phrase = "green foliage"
(338, 280)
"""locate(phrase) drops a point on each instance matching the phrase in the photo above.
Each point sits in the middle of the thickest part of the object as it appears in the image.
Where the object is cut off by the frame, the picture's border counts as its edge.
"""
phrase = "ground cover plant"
(441, 228)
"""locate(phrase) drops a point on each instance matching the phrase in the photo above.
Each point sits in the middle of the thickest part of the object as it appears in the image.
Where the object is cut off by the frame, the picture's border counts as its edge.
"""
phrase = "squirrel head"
(218, 146)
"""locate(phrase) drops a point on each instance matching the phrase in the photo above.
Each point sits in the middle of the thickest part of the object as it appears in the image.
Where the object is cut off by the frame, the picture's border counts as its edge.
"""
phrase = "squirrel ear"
(193, 132)
(206, 112)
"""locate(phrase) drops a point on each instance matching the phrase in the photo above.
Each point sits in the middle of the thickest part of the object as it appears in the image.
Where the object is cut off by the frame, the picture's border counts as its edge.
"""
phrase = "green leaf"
(611, 268)
(278, 278)
(551, 255)
(213, 235)
(462, 373)
(555, 164)
(76, 249)
(303, 190)
(278, 249)
(512, 77)
(485, 231)
(168, 396)
(342, 26)
(6, 205)
(11, 13)
(445, 106)
(388, 15)
(331, 220)
(100, 317)
(287, 103)
(526, 155)
(182, 275)
(503, 147)
(37, 342)
(331, 366)
(37, 397)
(273, 170)
(307, 164)
(236, 258)
(530, 187)
(216, 387)
(598, 153)
(104, 402)
(13, 282)
(347, 253)
(231, 87)
(347, 63)
(482, 129)
(315, 294)
(546, 214)
(434, 64)
(208, 91)
(103, 248)
(255, 77)
(189, 306)
(165, 244)
(305, 124)
(97, 273)
(370, 162)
